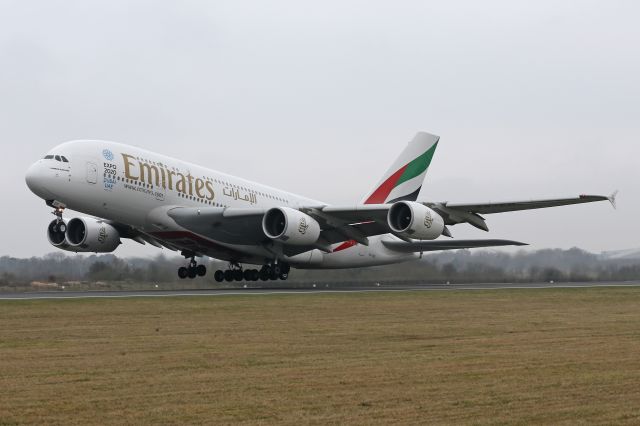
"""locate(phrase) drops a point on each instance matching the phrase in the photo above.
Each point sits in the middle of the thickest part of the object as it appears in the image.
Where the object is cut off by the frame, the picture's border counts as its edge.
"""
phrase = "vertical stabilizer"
(403, 180)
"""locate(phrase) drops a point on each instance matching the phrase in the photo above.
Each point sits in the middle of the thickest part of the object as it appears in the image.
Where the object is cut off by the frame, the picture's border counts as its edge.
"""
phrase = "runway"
(109, 294)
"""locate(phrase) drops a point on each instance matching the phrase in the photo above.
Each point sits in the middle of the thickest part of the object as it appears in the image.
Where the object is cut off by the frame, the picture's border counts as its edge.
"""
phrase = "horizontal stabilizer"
(421, 246)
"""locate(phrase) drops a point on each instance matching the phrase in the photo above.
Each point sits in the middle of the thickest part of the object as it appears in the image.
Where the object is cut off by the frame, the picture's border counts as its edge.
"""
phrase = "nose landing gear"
(60, 225)
(193, 270)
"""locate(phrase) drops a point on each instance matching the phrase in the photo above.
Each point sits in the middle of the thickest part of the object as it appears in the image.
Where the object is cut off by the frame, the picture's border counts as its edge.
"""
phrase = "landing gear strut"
(60, 225)
(272, 271)
(193, 270)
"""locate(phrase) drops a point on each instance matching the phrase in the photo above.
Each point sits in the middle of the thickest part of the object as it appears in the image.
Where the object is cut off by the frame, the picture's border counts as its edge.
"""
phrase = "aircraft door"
(92, 172)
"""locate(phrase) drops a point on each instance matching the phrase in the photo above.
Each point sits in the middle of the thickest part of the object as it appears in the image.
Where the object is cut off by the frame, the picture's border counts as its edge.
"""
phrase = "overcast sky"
(531, 99)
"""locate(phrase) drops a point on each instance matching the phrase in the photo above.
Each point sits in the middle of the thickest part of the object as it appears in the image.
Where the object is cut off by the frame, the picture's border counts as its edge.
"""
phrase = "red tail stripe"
(380, 195)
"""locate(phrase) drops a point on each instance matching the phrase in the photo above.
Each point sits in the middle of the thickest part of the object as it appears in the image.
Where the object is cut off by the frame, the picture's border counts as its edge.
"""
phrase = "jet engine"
(56, 234)
(91, 235)
(290, 226)
(415, 220)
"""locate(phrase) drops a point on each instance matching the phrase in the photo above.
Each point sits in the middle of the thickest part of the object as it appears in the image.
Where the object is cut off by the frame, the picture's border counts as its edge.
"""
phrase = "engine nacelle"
(56, 234)
(290, 226)
(415, 220)
(91, 235)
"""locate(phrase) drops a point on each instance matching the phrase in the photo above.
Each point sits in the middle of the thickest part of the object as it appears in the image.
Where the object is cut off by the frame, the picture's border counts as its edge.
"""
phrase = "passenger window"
(64, 159)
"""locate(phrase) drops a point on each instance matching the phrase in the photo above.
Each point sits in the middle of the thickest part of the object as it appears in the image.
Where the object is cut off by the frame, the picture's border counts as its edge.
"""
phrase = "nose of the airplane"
(32, 176)
(36, 180)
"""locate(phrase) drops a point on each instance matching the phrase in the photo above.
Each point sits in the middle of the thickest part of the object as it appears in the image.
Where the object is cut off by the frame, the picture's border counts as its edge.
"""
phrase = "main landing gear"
(273, 271)
(193, 270)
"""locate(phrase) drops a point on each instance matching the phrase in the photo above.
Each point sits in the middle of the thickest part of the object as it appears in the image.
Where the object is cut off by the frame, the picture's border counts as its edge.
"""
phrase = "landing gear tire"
(201, 270)
(236, 273)
(183, 272)
(193, 270)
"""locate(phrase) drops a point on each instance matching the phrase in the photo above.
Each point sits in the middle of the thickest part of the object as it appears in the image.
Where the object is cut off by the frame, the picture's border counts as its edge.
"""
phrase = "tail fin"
(403, 180)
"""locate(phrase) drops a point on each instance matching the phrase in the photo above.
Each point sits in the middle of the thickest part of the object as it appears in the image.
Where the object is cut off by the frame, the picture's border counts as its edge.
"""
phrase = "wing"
(342, 223)
(470, 213)
(186, 242)
(422, 246)
(371, 219)
(141, 237)
(244, 226)
(527, 205)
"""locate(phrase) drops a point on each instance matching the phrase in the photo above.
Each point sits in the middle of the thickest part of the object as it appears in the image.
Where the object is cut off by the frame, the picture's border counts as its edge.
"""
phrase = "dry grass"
(485, 357)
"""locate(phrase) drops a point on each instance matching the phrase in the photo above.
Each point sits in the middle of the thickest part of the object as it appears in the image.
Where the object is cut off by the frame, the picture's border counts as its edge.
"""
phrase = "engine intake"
(91, 235)
(56, 234)
(415, 220)
(290, 226)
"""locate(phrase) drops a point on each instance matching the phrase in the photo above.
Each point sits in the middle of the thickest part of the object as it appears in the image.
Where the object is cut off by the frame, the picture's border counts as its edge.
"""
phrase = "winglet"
(612, 199)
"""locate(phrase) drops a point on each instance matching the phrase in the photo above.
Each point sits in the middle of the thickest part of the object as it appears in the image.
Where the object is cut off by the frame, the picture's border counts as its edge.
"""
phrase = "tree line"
(461, 266)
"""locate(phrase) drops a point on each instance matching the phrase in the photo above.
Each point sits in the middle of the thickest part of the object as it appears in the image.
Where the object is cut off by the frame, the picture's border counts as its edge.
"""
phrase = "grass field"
(479, 357)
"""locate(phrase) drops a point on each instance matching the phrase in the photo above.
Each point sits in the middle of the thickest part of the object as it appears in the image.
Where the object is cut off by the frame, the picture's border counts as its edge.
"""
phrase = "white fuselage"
(135, 187)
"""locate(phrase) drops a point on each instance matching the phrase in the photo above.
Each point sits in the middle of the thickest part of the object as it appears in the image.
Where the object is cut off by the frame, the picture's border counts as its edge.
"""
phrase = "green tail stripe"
(418, 166)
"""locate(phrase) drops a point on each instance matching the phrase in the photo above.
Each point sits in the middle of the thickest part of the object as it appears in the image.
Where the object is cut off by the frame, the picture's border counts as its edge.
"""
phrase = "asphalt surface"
(62, 294)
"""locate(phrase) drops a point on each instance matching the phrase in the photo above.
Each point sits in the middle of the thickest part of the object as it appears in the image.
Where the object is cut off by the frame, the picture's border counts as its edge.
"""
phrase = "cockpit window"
(58, 158)
(48, 157)
(64, 159)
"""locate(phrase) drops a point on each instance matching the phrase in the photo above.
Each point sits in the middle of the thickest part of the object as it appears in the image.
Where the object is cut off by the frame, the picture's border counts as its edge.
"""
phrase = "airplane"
(149, 198)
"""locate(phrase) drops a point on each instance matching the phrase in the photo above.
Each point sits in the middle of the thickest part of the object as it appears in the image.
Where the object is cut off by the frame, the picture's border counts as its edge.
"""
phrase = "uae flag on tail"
(403, 180)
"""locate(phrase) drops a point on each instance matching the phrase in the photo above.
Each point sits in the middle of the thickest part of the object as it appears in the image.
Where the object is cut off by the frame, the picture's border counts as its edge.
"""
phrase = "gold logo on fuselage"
(135, 169)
